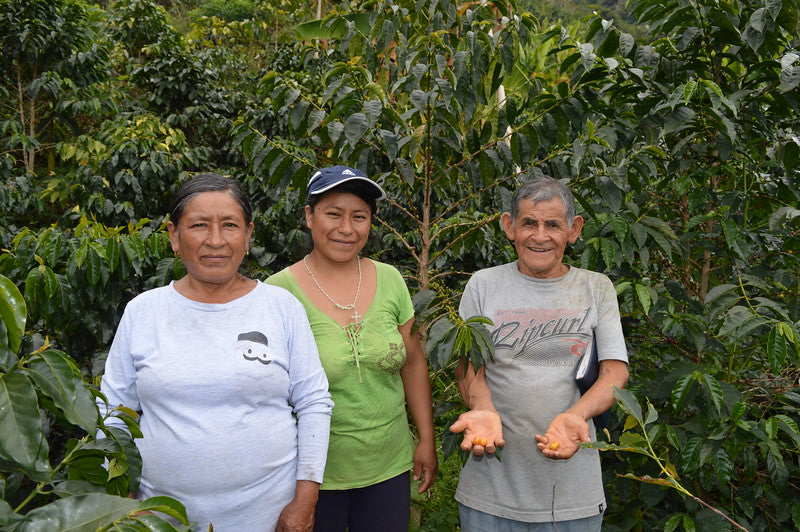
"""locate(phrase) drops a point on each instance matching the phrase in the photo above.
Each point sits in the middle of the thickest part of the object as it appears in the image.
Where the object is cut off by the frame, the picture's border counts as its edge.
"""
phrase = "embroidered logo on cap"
(347, 171)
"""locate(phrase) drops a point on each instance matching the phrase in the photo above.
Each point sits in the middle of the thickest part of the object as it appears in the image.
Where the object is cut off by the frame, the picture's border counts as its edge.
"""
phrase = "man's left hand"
(564, 436)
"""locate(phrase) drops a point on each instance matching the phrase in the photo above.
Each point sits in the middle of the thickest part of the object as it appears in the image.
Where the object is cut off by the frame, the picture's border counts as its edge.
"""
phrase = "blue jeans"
(475, 521)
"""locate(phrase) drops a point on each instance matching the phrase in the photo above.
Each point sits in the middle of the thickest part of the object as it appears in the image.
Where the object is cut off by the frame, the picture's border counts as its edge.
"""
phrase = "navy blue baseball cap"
(326, 178)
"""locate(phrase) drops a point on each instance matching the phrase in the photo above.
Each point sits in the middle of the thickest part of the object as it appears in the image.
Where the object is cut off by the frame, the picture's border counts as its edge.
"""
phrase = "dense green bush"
(229, 11)
(680, 144)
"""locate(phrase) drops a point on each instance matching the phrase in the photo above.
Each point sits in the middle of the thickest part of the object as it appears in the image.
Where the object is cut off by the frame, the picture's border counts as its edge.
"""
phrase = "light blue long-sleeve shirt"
(234, 402)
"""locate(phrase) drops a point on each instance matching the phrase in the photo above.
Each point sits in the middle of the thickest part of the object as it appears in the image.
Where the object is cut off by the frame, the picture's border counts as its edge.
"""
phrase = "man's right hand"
(479, 425)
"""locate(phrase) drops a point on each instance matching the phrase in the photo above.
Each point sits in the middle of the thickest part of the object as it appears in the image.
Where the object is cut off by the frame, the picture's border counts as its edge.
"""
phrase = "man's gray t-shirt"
(541, 327)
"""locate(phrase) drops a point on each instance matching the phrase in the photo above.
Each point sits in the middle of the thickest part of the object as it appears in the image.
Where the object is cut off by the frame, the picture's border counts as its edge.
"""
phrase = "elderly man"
(545, 313)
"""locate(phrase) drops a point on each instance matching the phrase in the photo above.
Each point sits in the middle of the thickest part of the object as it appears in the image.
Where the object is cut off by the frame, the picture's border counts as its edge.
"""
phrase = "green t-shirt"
(370, 439)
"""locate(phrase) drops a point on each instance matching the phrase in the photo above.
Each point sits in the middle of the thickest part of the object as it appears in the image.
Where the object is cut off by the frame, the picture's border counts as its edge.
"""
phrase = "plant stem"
(40, 486)
(721, 514)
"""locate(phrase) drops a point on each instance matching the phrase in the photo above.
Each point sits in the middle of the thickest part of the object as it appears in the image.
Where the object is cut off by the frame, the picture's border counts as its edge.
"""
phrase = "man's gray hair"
(544, 189)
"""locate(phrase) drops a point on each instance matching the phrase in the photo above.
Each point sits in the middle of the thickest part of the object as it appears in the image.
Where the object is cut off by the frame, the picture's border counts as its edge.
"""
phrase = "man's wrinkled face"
(540, 233)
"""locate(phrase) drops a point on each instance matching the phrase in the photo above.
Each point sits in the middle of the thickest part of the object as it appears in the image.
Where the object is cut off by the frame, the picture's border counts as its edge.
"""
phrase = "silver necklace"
(352, 306)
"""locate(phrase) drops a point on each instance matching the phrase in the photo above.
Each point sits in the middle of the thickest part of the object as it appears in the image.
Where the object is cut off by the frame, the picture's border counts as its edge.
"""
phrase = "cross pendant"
(356, 316)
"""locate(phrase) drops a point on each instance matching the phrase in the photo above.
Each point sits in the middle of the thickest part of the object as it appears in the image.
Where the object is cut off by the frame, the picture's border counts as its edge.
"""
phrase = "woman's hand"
(426, 464)
(478, 425)
(564, 436)
(298, 515)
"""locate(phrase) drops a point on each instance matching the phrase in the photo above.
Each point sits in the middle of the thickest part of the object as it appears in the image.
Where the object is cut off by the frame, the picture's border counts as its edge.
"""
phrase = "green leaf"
(58, 378)
(790, 427)
(154, 523)
(630, 442)
(7, 515)
(50, 282)
(372, 109)
(690, 454)
(315, 118)
(740, 322)
(644, 297)
(673, 523)
(94, 267)
(8, 358)
(50, 245)
(112, 254)
(633, 440)
(652, 414)
(437, 332)
(738, 410)
(608, 250)
(89, 465)
(129, 455)
(627, 401)
(778, 472)
(588, 56)
(354, 128)
(679, 118)
(723, 467)
(734, 239)
(647, 479)
(129, 418)
(680, 390)
(790, 72)
(482, 336)
(79, 256)
(13, 312)
(771, 427)
(672, 436)
(23, 438)
(80, 513)
(688, 91)
(332, 27)
(390, 144)
(721, 298)
(165, 505)
(714, 391)
(796, 514)
(777, 350)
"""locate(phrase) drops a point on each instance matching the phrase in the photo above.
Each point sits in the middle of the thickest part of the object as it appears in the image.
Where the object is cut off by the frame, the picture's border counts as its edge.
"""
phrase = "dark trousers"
(382, 507)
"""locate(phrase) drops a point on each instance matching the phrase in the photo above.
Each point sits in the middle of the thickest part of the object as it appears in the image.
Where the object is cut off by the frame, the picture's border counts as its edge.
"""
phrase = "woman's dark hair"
(208, 183)
(360, 189)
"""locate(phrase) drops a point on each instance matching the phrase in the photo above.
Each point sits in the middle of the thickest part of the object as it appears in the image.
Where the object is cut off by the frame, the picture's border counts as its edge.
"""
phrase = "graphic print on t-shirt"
(253, 346)
(394, 360)
(541, 337)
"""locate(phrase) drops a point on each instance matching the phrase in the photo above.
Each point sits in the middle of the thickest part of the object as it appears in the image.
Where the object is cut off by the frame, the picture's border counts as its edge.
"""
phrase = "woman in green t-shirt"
(361, 316)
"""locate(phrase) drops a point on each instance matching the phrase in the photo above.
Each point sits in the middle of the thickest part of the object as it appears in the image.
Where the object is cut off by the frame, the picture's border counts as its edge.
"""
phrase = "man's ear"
(508, 225)
(575, 230)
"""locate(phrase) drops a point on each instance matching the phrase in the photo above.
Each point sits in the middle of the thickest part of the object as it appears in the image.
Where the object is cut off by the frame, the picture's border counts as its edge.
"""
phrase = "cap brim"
(379, 192)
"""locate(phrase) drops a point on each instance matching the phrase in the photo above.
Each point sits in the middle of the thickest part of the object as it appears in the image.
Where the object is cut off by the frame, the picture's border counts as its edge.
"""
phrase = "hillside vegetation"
(675, 123)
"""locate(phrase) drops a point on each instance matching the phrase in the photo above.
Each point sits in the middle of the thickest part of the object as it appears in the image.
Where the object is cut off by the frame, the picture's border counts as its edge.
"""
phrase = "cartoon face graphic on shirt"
(254, 346)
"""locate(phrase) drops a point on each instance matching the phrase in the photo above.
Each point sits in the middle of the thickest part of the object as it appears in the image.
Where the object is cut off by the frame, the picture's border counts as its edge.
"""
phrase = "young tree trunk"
(27, 121)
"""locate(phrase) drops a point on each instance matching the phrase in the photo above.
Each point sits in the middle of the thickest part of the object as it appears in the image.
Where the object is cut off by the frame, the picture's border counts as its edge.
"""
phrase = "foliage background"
(674, 122)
